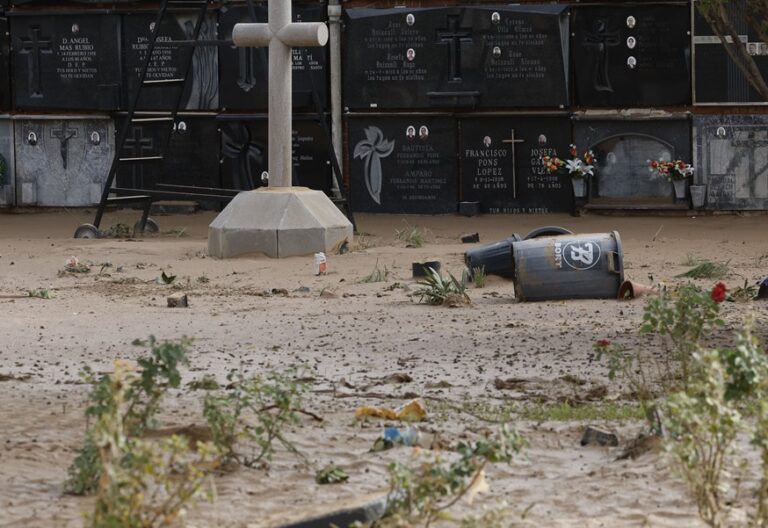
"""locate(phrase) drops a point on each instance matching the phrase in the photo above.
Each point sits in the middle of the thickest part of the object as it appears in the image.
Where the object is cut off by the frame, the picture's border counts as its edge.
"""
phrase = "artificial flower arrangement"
(577, 167)
(671, 170)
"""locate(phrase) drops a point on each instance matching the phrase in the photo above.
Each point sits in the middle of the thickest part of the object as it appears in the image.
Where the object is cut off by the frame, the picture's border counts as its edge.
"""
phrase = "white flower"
(573, 165)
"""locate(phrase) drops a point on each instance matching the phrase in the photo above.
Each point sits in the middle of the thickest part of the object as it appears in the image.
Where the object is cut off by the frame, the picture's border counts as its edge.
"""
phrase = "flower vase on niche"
(675, 171)
(579, 168)
(679, 186)
(698, 195)
(579, 186)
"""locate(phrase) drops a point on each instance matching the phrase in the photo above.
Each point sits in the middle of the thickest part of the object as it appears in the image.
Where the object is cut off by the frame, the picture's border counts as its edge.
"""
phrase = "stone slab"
(634, 55)
(5, 64)
(718, 79)
(279, 222)
(731, 153)
(201, 89)
(501, 163)
(404, 164)
(473, 56)
(244, 153)
(7, 170)
(623, 148)
(62, 162)
(66, 61)
(243, 71)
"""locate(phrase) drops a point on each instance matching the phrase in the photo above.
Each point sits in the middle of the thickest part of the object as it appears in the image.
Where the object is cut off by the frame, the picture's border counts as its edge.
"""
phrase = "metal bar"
(216, 189)
(163, 81)
(193, 43)
(120, 143)
(143, 158)
(151, 119)
(152, 193)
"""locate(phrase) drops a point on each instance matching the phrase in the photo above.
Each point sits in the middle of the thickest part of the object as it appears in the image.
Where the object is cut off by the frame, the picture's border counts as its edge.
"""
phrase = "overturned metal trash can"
(495, 259)
(588, 266)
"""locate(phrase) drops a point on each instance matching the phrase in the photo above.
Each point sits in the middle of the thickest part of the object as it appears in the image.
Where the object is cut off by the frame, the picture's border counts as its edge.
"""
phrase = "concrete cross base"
(279, 222)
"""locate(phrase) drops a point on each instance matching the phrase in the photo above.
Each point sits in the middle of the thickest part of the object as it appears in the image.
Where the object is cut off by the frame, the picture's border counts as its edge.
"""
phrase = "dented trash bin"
(495, 259)
(588, 266)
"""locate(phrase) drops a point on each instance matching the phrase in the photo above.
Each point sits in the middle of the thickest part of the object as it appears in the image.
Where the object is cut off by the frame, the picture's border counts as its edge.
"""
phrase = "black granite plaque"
(501, 163)
(191, 158)
(5, 66)
(718, 79)
(201, 90)
(732, 160)
(496, 56)
(403, 164)
(244, 153)
(66, 61)
(244, 77)
(632, 55)
(623, 149)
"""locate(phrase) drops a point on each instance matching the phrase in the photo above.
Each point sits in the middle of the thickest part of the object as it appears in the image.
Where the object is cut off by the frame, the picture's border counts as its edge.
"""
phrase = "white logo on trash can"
(581, 255)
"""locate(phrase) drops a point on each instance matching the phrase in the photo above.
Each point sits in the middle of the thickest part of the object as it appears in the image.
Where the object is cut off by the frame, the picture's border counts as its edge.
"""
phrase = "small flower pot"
(679, 186)
(579, 187)
(698, 195)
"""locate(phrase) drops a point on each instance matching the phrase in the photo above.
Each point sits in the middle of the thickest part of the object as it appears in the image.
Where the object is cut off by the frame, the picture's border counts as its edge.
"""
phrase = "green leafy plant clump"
(438, 290)
(159, 373)
(142, 484)
(412, 236)
(252, 413)
(707, 269)
(422, 492)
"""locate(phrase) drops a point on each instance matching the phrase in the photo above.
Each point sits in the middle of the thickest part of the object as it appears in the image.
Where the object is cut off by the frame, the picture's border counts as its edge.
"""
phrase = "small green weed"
(117, 231)
(412, 236)
(377, 275)
(565, 412)
(707, 269)
(438, 290)
(41, 293)
(331, 474)
(479, 276)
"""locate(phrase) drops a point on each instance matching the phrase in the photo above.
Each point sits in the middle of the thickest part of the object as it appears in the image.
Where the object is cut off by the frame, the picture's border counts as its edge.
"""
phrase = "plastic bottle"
(320, 264)
(408, 436)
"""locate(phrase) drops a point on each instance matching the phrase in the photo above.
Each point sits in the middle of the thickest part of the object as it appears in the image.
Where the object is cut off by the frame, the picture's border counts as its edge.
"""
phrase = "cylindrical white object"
(300, 34)
(251, 35)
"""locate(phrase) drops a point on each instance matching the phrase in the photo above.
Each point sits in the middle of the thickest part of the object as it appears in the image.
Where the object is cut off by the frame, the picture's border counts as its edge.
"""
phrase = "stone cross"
(280, 35)
(512, 140)
(35, 46)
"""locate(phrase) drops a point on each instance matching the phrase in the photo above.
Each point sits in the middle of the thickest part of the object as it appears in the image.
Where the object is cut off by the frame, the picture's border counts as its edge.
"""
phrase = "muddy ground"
(351, 335)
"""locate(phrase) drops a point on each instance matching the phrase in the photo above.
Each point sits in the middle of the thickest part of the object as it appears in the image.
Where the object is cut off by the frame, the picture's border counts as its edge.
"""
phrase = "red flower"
(718, 292)
(603, 343)
(654, 164)
(572, 150)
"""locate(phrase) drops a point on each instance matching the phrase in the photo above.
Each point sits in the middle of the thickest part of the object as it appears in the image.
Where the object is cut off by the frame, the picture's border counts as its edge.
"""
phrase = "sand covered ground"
(352, 335)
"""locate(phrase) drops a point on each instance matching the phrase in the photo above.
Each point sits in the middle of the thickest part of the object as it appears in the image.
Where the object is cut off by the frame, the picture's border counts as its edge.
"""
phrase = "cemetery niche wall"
(403, 164)
(244, 153)
(479, 56)
(623, 148)
(191, 159)
(7, 166)
(732, 157)
(5, 65)
(62, 162)
(501, 163)
(718, 79)
(201, 89)
(244, 71)
(635, 55)
(66, 61)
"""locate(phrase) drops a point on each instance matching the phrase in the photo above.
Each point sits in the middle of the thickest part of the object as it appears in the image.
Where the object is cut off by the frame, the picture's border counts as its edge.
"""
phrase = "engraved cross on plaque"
(34, 46)
(512, 140)
(139, 146)
(454, 36)
(601, 39)
(64, 134)
(280, 34)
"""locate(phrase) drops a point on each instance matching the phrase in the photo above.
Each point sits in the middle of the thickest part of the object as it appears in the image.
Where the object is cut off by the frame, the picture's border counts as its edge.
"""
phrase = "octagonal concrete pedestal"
(279, 222)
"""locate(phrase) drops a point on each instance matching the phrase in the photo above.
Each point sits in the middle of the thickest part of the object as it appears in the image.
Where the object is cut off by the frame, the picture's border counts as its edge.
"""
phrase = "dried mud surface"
(351, 335)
